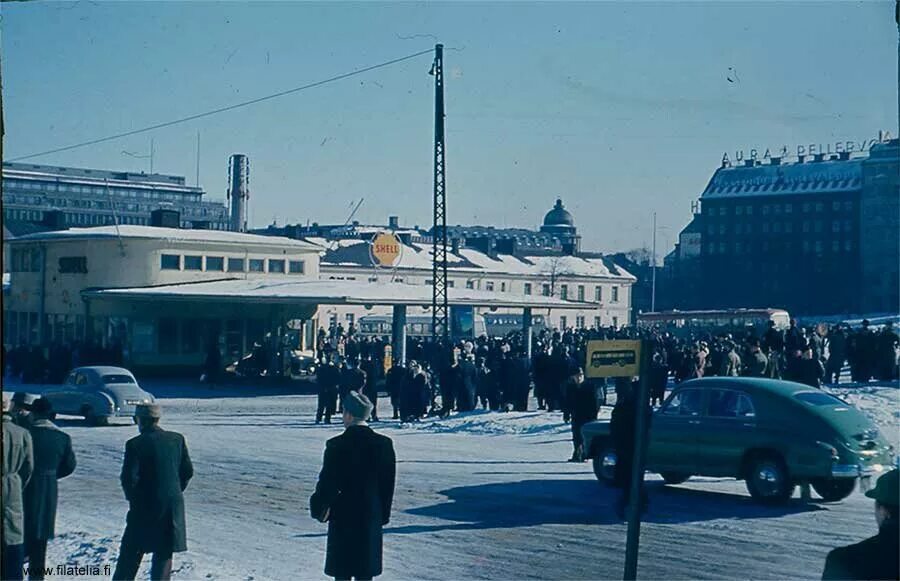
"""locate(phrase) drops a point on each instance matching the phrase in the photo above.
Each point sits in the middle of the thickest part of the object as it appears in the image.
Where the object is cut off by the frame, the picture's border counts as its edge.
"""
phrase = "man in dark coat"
(756, 362)
(370, 367)
(53, 459)
(877, 557)
(468, 385)
(328, 377)
(659, 378)
(394, 380)
(583, 406)
(155, 473)
(837, 354)
(16, 472)
(451, 381)
(886, 353)
(354, 494)
(809, 369)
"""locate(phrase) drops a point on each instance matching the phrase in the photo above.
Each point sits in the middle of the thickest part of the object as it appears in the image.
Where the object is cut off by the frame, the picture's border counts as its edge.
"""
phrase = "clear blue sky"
(619, 108)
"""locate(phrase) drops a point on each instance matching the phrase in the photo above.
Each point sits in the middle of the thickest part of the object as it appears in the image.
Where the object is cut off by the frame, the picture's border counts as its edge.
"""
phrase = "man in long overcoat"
(53, 459)
(155, 473)
(354, 494)
(17, 469)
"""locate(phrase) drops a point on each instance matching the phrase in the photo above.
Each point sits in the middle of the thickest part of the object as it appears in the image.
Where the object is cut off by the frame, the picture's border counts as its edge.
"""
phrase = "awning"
(328, 292)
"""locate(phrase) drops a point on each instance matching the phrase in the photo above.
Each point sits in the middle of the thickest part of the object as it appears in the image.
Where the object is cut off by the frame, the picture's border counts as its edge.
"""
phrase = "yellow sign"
(385, 249)
(613, 359)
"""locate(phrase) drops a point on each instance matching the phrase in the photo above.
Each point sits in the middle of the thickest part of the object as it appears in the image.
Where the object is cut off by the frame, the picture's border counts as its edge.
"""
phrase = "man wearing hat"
(354, 493)
(53, 459)
(21, 409)
(877, 557)
(17, 469)
(155, 473)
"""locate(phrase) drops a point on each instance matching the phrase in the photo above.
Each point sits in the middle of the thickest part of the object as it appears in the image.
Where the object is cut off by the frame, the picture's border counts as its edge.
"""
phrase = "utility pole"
(197, 179)
(653, 266)
(439, 308)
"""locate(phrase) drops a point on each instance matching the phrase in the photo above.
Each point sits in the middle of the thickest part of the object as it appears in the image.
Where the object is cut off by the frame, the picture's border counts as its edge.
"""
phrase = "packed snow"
(479, 495)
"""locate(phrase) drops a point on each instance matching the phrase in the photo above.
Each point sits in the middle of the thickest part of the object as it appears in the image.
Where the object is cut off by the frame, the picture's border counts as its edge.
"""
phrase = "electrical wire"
(224, 109)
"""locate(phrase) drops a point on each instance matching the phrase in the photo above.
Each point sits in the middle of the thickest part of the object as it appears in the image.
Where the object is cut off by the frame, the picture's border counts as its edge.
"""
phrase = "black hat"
(42, 407)
(887, 489)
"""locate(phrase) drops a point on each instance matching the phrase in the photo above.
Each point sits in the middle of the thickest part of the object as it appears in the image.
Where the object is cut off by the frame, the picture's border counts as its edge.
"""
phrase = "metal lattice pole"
(439, 308)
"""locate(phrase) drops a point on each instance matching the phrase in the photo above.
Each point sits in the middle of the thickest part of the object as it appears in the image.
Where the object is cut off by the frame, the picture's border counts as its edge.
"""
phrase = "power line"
(224, 109)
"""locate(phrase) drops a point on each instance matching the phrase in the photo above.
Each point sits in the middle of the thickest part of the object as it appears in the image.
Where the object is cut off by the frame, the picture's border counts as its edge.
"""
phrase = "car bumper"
(857, 470)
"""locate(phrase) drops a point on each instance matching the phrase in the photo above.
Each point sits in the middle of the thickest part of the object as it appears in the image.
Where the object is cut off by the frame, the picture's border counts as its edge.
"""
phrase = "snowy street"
(482, 495)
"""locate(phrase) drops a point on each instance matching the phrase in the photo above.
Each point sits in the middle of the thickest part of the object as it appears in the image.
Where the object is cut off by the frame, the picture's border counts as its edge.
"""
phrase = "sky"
(621, 109)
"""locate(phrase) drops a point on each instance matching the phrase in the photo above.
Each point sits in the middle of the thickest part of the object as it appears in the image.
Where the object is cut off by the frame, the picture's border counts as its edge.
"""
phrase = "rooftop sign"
(845, 146)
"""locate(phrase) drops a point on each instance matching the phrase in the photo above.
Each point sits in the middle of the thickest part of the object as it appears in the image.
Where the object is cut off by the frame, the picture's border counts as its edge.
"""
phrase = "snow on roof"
(329, 292)
(417, 256)
(814, 177)
(171, 234)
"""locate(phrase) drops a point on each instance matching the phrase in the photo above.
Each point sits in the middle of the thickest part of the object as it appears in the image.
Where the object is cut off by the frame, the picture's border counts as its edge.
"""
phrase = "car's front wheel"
(834, 489)
(604, 462)
(768, 480)
(674, 477)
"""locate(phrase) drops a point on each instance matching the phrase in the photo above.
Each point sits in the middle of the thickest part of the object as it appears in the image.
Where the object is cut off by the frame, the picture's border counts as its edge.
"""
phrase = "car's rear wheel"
(834, 489)
(604, 462)
(674, 477)
(91, 418)
(768, 480)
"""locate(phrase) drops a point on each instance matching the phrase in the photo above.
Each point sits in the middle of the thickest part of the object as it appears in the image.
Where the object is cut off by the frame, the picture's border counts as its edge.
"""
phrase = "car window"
(818, 398)
(688, 402)
(117, 378)
(726, 403)
(81, 379)
(71, 379)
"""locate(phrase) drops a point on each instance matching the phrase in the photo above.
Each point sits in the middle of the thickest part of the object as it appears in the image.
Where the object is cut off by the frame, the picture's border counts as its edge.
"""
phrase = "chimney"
(163, 218)
(748, 163)
(775, 161)
(394, 222)
(844, 155)
(819, 157)
(54, 220)
(455, 246)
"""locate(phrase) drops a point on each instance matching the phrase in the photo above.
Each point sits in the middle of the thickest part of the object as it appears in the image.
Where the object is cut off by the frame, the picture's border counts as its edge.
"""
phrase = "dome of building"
(559, 216)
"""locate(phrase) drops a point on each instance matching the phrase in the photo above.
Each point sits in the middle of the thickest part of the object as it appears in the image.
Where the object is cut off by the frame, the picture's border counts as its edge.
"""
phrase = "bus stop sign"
(613, 359)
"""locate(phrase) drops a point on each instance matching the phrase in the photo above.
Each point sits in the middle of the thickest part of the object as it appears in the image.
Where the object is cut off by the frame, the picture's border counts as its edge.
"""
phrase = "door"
(727, 429)
(674, 432)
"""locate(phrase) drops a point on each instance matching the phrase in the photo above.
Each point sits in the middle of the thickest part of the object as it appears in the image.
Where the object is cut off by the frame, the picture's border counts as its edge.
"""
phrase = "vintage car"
(772, 434)
(97, 394)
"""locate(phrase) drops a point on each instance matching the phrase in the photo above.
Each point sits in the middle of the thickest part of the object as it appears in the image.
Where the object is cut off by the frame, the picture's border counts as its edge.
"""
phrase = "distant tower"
(238, 190)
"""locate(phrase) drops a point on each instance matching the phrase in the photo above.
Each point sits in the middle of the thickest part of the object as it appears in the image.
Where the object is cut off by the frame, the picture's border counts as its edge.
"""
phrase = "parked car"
(98, 394)
(772, 434)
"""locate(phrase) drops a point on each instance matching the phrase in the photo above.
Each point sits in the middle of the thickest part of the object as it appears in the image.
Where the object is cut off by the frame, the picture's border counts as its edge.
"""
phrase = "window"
(722, 229)
(563, 322)
(298, 267)
(581, 293)
(503, 287)
(806, 226)
(776, 227)
(527, 288)
(564, 292)
(167, 337)
(766, 210)
(545, 289)
(749, 210)
(276, 266)
(688, 402)
(848, 246)
(170, 262)
(598, 293)
(470, 284)
(788, 227)
(597, 323)
(579, 322)
(489, 285)
(836, 226)
(788, 208)
(193, 262)
(848, 226)
(723, 211)
(738, 228)
(818, 247)
(112, 379)
(615, 294)
(820, 207)
(818, 398)
(725, 403)
(835, 205)
(738, 210)
(721, 251)
(72, 264)
(236, 265)
(777, 208)
(806, 207)
(615, 322)
(806, 247)
(257, 265)
(835, 245)
(215, 263)
(351, 319)
(848, 206)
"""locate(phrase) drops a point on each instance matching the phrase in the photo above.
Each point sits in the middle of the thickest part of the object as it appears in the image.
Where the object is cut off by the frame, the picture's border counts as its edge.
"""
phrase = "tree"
(556, 268)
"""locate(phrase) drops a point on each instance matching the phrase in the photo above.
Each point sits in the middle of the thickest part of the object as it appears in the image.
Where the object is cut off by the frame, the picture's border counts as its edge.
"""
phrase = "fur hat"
(147, 410)
(358, 405)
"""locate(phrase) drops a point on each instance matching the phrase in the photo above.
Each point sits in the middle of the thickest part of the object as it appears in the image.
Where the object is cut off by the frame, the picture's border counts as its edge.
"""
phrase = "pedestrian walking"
(756, 362)
(583, 405)
(465, 400)
(53, 459)
(354, 494)
(876, 557)
(328, 377)
(18, 465)
(156, 470)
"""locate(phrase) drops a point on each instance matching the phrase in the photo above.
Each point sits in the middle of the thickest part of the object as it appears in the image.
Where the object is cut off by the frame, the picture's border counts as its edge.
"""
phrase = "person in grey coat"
(18, 464)
(155, 473)
(53, 459)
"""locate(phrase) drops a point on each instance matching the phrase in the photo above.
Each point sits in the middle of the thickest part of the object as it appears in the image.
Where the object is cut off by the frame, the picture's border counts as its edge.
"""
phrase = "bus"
(502, 324)
(464, 324)
(724, 320)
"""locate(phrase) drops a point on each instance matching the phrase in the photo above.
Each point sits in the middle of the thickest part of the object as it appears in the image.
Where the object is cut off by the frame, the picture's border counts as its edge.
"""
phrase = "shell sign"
(385, 250)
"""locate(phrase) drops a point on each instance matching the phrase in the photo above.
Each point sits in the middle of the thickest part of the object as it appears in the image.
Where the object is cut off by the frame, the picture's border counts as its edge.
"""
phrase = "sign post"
(628, 359)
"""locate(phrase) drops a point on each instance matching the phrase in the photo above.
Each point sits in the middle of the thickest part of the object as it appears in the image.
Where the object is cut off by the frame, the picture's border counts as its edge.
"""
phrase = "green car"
(773, 434)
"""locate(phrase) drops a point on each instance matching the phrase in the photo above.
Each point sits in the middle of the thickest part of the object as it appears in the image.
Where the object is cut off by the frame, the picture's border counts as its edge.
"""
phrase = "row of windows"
(580, 322)
(62, 188)
(223, 264)
(548, 290)
(807, 246)
(97, 219)
(786, 227)
(786, 208)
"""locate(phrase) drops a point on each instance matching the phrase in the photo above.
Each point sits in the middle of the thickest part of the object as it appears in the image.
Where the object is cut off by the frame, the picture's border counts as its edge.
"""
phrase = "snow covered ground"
(481, 495)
